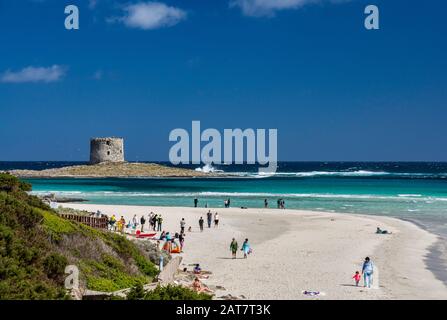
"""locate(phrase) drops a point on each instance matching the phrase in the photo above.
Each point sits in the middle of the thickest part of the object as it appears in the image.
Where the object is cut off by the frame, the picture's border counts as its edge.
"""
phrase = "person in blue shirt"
(197, 269)
(246, 248)
(367, 271)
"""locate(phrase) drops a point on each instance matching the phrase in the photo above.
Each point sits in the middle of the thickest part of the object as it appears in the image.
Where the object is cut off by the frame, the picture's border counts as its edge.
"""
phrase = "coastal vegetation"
(169, 292)
(36, 245)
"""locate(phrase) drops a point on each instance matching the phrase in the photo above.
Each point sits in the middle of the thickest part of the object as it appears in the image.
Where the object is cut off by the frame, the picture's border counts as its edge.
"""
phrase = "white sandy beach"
(300, 250)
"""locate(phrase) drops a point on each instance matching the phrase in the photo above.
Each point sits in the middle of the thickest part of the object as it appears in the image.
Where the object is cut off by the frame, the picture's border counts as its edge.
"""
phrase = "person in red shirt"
(357, 277)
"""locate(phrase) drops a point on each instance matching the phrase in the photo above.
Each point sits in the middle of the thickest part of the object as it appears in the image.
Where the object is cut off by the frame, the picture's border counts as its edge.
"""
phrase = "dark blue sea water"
(413, 191)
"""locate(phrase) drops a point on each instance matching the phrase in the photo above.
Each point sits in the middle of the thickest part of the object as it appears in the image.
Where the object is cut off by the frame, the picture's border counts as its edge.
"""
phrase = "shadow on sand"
(351, 285)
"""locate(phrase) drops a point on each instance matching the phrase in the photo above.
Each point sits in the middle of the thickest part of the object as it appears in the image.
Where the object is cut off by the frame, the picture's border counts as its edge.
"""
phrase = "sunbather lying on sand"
(199, 287)
(198, 272)
(380, 231)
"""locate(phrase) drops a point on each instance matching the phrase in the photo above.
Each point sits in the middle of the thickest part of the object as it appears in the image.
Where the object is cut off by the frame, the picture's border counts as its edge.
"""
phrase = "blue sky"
(138, 69)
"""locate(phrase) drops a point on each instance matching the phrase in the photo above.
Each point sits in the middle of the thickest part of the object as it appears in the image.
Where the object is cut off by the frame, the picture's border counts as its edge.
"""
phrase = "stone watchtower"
(106, 150)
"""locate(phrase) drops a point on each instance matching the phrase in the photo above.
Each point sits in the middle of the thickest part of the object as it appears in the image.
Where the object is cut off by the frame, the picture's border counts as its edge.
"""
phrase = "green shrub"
(136, 292)
(128, 250)
(54, 265)
(10, 183)
(55, 226)
(109, 274)
(169, 292)
(35, 248)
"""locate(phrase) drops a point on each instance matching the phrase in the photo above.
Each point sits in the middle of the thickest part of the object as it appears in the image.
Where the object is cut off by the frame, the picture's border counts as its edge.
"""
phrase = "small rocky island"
(107, 161)
(110, 170)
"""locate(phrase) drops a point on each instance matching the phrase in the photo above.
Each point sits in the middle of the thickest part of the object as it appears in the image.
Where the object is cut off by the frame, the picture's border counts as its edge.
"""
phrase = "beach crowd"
(174, 242)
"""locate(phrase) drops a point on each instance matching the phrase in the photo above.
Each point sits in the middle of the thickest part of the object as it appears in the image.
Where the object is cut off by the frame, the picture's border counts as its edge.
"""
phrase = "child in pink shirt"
(357, 277)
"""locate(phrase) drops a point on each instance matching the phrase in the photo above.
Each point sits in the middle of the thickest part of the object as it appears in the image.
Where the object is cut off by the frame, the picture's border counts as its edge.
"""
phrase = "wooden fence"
(99, 223)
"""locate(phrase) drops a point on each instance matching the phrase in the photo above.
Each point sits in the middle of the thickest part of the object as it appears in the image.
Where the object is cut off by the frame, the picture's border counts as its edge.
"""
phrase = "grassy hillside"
(36, 245)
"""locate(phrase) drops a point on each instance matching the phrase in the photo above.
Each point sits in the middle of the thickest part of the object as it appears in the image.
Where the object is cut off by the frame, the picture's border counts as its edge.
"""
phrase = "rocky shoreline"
(52, 197)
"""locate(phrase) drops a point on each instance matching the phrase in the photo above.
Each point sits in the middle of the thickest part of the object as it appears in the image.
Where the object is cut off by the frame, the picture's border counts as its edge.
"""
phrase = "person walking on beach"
(154, 220)
(134, 221)
(266, 203)
(367, 271)
(228, 202)
(181, 239)
(216, 220)
(112, 222)
(121, 224)
(168, 241)
(209, 217)
(196, 202)
(142, 221)
(233, 248)
(160, 222)
(356, 278)
(281, 204)
(246, 248)
(149, 217)
(278, 203)
(182, 225)
(201, 224)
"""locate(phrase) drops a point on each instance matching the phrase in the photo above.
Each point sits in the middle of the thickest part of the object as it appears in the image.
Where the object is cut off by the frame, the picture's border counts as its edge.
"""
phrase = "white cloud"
(259, 8)
(151, 15)
(34, 74)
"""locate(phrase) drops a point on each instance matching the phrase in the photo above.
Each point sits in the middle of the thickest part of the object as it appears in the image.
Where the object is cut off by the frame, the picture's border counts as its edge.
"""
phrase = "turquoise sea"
(412, 191)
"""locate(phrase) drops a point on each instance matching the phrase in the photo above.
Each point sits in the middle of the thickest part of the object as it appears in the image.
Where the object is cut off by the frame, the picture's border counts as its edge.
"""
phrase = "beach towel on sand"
(140, 234)
(313, 293)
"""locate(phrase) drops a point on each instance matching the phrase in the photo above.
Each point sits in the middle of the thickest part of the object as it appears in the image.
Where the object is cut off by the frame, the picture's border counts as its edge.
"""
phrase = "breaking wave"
(207, 168)
(400, 197)
(333, 174)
